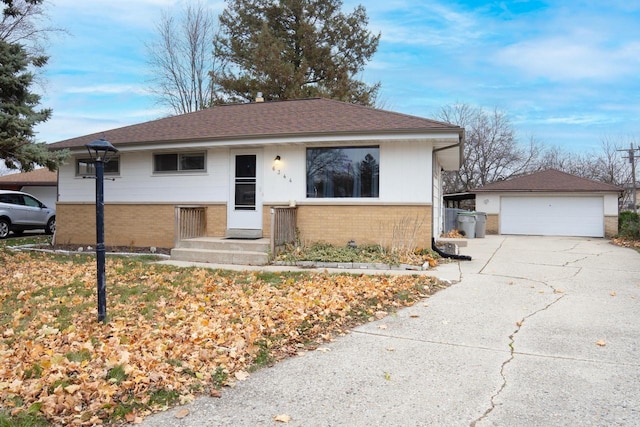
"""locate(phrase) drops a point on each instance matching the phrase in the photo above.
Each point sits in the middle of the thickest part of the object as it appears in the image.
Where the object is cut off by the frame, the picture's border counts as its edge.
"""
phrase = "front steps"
(219, 250)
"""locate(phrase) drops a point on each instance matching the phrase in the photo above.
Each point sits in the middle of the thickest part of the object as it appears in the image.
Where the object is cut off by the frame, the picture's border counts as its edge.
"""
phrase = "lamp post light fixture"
(99, 151)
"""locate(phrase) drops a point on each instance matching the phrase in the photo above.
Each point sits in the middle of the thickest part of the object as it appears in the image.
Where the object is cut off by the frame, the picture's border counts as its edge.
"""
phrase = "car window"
(30, 201)
(14, 199)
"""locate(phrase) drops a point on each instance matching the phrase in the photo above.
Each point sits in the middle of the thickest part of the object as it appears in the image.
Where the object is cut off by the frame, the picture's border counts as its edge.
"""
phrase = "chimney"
(259, 97)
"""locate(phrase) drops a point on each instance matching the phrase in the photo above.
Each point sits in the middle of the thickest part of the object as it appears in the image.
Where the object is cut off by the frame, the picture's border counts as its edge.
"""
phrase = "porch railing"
(283, 227)
(190, 222)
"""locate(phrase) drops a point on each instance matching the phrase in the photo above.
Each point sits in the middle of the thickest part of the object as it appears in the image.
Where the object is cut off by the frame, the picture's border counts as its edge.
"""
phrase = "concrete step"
(213, 256)
(224, 244)
(220, 250)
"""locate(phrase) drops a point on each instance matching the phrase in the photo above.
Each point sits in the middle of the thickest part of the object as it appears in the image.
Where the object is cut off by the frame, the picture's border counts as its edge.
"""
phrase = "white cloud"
(108, 89)
(570, 58)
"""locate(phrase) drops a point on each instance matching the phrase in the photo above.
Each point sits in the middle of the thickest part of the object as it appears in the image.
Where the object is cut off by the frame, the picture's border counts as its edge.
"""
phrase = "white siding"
(405, 172)
(138, 183)
(438, 217)
(405, 177)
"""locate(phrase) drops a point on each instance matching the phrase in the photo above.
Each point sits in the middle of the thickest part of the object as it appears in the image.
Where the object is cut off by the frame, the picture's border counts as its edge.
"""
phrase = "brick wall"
(153, 224)
(216, 220)
(387, 225)
(493, 224)
(128, 224)
(610, 226)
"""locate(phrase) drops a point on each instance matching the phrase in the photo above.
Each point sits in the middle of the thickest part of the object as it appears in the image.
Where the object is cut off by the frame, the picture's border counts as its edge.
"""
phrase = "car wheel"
(4, 228)
(51, 226)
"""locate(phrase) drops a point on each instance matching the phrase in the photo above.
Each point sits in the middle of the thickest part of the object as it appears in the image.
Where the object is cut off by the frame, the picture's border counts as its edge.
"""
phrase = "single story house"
(551, 203)
(41, 183)
(352, 173)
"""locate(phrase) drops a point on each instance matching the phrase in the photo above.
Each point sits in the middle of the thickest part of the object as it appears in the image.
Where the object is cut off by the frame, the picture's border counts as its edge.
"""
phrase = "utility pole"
(632, 159)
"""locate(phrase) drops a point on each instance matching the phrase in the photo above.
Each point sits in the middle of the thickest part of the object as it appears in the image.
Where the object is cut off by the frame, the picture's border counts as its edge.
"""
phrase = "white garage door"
(552, 216)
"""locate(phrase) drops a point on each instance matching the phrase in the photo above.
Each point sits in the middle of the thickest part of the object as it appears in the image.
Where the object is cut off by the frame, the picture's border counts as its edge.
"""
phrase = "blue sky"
(566, 72)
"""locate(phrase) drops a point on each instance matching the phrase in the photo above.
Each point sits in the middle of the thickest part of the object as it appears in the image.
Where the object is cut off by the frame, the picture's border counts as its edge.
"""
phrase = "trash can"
(450, 218)
(467, 224)
(481, 224)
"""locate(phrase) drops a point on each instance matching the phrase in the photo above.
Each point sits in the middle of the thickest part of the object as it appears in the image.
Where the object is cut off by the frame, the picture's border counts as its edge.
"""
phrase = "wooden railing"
(283, 227)
(190, 222)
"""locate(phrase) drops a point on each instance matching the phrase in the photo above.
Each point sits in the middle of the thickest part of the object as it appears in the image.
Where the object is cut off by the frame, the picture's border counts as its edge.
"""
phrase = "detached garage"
(550, 203)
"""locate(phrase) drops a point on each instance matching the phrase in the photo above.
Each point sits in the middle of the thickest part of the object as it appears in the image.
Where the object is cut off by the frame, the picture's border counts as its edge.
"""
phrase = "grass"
(171, 332)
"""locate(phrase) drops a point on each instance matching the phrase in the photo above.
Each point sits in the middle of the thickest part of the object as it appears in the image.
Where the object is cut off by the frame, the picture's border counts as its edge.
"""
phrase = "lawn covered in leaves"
(170, 334)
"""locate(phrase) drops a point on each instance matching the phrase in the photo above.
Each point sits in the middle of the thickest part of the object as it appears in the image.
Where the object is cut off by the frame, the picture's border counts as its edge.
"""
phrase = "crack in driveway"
(512, 354)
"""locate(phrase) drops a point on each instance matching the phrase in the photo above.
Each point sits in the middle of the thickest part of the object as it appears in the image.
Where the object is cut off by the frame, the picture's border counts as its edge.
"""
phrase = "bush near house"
(629, 225)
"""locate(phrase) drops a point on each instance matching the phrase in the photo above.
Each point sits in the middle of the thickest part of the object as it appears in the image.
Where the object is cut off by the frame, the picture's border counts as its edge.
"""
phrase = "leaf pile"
(171, 333)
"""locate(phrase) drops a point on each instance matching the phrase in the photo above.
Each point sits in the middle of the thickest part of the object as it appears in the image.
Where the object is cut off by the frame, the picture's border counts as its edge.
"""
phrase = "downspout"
(433, 231)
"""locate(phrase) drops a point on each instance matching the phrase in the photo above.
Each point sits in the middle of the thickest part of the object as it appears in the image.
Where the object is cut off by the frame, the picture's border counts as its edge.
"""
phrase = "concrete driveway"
(538, 331)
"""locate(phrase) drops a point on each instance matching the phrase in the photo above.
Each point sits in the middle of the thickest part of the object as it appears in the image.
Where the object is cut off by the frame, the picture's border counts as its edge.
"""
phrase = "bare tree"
(182, 58)
(25, 22)
(492, 151)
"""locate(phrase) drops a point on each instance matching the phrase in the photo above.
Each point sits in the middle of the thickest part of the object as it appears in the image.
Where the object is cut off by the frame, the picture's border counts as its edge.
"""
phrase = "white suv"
(21, 211)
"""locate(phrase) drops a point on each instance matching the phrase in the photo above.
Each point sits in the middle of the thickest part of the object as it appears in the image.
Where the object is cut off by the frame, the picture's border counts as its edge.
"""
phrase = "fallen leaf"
(323, 349)
(601, 343)
(382, 326)
(241, 375)
(72, 388)
(182, 413)
(215, 393)
(612, 293)
(282, 418)
(391, 349)
(130, 417)
(387, 376)
(558, 291)
(414, 316)
(519, 323)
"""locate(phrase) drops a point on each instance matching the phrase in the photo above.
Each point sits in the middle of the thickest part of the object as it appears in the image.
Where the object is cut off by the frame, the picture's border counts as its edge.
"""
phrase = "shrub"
(629, 225)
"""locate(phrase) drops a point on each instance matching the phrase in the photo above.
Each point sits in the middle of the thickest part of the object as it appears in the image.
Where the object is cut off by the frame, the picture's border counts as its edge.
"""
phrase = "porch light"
(99, 151)
(276, 165)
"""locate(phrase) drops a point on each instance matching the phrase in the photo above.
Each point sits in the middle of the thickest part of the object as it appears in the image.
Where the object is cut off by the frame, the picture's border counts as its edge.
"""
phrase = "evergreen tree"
(18, 114)
(289, 49)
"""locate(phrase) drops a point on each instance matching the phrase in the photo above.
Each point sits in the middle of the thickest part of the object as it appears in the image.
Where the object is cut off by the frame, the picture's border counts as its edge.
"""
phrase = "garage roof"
(550, 180)
(42, 176)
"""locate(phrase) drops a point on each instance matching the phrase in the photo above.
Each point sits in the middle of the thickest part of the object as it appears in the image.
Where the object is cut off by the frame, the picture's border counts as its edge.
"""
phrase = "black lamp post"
(99, 151)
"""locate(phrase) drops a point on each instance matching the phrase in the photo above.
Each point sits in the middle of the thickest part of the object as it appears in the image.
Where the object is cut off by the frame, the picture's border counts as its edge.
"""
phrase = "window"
(86, 167)
(179, 162)
(343, 172)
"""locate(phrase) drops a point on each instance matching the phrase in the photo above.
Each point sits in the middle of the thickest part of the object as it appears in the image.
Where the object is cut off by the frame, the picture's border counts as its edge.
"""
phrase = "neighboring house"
(353, 173)
(41, 183)
(550, 203)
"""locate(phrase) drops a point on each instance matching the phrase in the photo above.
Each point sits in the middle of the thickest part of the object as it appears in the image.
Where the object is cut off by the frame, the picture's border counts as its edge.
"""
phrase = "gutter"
(443, 254)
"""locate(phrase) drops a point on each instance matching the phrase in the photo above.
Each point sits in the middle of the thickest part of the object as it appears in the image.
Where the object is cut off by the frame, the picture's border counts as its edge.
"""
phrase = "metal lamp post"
(99, 151)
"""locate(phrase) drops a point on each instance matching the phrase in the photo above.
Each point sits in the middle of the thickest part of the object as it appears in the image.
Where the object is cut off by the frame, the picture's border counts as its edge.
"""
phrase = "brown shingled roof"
(36, 177)
(255, 120)
(548, 181)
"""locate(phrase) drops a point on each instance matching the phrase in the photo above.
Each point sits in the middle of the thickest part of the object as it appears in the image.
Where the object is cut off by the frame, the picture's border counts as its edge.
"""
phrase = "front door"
(244, 210)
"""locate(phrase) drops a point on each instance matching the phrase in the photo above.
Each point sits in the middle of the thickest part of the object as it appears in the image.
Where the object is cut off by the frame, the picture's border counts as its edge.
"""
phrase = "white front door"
(244, 211)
